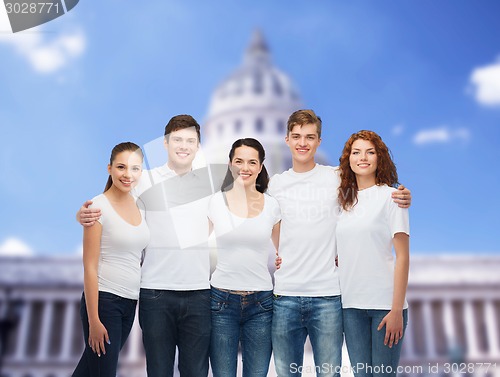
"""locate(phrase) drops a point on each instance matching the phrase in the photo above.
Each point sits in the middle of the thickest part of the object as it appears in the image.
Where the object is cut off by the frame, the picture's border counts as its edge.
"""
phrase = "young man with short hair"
(307, 291)
(174, 303)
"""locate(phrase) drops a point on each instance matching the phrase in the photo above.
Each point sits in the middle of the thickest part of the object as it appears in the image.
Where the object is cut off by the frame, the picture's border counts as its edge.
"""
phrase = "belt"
(241, 293)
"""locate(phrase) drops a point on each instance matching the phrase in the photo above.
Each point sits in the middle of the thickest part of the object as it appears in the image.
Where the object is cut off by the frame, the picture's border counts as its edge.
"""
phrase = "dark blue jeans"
(171, 319)
(117, 315)
(245, 319)
(365, 344)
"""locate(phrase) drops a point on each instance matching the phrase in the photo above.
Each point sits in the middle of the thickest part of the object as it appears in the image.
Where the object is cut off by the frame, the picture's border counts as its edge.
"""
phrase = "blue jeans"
(246, 319)
(171, 319)
(296, 317)
(117, 315)
(365, 344)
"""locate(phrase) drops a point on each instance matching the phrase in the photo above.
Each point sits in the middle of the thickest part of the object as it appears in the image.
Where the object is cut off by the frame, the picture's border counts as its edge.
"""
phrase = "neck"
(365, 182)
(117, 195)
(248, 191)
(303, 167)
(179, 170)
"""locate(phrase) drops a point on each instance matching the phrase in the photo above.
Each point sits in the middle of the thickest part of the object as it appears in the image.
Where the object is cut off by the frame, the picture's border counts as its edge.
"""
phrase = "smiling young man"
(174, 303)
(307, 291)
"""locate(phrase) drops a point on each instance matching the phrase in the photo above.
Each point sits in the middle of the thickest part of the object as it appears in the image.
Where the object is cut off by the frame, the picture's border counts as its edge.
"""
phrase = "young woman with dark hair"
(244, 219)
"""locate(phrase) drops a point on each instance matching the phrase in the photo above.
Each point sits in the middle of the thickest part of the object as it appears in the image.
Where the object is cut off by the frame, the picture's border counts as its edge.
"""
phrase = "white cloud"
(441, 135)
(45, 53)
(15, 247)
(398, 129)
(486, 84)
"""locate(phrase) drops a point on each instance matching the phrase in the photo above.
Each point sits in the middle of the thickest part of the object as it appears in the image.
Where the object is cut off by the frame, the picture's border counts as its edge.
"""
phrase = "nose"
(302, 140)
(364, 156)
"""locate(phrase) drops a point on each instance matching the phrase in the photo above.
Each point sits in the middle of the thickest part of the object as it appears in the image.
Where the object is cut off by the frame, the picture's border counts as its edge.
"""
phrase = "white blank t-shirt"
(364, 245)
(243, 245)
(119, 269)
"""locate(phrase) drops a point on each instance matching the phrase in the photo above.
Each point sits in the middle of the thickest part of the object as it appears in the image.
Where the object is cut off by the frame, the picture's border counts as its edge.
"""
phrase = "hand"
(393, 323)
(278, 261)
(97, 336)
(88, 216)
(402, 197)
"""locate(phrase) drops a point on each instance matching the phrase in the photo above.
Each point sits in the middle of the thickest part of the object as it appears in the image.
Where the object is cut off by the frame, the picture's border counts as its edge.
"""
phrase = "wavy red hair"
(386, 172)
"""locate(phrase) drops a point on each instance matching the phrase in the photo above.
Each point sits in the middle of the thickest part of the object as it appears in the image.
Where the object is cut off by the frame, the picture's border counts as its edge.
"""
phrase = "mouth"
(182, 154)
(302, 150)
(362, 166)
(126, 183)
(245, 175)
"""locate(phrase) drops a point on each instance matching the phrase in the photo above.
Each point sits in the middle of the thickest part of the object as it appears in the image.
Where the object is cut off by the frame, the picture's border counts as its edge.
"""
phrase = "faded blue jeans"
(117, 315)
(365, 344)
(295, 317)
(171, 319)
(244, 319)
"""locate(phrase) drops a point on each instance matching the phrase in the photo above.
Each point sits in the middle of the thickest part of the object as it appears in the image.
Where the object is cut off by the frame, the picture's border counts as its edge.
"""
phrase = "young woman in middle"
(244, 219)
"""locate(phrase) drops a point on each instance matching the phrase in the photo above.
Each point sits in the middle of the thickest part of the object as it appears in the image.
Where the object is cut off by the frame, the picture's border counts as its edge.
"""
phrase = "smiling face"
(363, 159)
(303, 142)
(181, 146)
(245, 166)
(125, 170)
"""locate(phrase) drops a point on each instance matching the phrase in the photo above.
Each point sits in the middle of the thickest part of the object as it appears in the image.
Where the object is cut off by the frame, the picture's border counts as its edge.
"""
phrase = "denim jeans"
(117, 315)
(171, 319)
(244, 319)
(296, 317)
(365, 344)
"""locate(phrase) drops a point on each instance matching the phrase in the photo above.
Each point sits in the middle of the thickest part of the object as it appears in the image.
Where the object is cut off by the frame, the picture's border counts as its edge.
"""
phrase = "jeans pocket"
(149, 294)
(217, 305)
(266, 303)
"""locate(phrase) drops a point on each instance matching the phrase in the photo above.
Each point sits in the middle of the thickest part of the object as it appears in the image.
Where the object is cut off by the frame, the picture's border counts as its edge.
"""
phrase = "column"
(46, 330)
(24, 327)
(68, 328)
(408, 340)
(491, 328)
(470, 330)
(449, 325)
(428, 323)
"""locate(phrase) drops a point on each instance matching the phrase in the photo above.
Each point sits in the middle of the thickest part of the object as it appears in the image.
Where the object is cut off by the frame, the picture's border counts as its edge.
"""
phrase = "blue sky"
(423, 74)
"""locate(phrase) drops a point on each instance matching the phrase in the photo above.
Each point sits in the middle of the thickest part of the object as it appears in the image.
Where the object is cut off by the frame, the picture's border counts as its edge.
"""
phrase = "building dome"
(254, 101)
(257, 84)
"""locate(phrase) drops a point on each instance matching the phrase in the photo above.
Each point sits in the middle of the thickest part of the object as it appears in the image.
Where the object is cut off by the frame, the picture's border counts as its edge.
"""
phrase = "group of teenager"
(341, 234)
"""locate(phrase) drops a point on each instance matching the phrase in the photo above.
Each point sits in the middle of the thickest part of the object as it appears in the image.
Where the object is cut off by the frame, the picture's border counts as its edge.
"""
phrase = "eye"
(310, 137)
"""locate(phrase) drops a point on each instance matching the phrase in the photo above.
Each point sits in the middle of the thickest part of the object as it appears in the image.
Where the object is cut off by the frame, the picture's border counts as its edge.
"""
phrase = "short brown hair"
(180, 122)
(303, 117)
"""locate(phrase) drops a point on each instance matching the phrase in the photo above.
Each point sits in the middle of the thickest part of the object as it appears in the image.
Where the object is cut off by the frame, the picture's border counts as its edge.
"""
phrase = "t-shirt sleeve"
(212, 207)
(98, 202)
(399, 219)
(275, 210)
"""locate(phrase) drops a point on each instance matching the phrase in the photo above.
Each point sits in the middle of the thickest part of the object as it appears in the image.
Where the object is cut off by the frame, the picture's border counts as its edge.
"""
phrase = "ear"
(287, 139)
(109, 169)
(165, 143)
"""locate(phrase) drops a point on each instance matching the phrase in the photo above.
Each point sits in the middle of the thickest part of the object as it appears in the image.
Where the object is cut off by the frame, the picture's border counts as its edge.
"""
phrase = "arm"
(88, 216)
(393, 321)
(275, 237)
(91, 251)
(402, 197)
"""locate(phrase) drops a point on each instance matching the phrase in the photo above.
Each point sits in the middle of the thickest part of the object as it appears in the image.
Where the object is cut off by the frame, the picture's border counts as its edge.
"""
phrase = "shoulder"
(270, 201)
(99, 201)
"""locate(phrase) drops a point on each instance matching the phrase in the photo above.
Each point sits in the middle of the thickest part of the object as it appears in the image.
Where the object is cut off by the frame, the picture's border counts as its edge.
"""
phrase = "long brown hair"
(119, 148)
(385, 174)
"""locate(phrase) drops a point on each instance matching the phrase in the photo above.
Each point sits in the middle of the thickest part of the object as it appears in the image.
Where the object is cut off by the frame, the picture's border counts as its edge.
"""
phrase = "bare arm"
(402, 197)
(88, 216)
(91, 251)
(275, 237)
(393, 321)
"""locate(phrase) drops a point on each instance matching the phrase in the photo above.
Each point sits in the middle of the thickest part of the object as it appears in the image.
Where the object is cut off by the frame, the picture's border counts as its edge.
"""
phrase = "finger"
(391, 340)
(106, 336)
(401, 187)
(87, 203)
(386, 338)
(101, 344)
(382, 323)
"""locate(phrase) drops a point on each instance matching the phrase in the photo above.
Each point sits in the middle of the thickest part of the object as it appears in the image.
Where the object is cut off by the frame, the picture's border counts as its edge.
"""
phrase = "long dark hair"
(119, 148)
(386, 172)
(262, 179)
